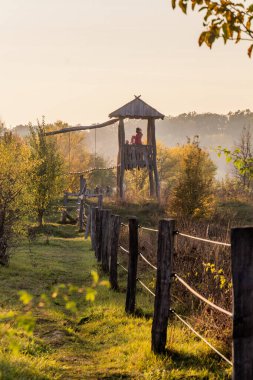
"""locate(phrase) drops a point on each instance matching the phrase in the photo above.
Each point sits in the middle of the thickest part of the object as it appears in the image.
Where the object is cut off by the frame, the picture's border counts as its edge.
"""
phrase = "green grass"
(100, 341)
(239, 211)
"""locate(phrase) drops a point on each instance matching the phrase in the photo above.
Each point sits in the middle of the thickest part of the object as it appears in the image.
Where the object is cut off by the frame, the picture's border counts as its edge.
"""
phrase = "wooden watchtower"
(131, 156)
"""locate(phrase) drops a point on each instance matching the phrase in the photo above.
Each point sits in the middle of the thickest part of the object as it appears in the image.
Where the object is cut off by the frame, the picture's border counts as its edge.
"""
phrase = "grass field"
(97, 342)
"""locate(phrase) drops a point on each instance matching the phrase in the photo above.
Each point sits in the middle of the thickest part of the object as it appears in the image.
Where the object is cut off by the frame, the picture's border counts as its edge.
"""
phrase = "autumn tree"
(231, 21)
(16, 168)
(245, 155)
(193, 194)
(241, 157)
(48, 179)
(168, 164)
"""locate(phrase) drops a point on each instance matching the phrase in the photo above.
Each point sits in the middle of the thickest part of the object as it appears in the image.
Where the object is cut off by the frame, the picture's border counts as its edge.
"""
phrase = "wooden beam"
(150, 169)
(121, 171)
(157, 182)
(81, 128)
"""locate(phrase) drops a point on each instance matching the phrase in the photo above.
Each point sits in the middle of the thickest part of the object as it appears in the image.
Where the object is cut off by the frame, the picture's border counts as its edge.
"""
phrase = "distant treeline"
(213, 130)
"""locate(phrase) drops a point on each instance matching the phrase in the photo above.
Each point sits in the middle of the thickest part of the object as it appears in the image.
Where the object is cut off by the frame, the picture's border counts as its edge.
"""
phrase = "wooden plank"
(242, 277)
(132, 266)
(165, 253)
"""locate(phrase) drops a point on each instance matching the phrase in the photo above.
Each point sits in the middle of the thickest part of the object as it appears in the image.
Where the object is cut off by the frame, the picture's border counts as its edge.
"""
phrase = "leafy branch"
(222, 19)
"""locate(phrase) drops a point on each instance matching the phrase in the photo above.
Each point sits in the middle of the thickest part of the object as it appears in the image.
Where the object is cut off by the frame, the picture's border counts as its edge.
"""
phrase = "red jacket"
(138, 138)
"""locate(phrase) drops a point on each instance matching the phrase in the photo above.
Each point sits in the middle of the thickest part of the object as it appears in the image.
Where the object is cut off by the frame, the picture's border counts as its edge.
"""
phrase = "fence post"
(242, 277)
(93, 228)
(165, 253)
(132, 265)
(105, 233)
(81, 212)
(98, 228)
(88, 222)
(82, 184)
(100, 201)
(64, 212)
(113, 250)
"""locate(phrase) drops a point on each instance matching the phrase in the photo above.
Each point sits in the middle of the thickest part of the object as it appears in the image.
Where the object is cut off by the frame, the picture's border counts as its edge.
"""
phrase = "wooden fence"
(105, 230)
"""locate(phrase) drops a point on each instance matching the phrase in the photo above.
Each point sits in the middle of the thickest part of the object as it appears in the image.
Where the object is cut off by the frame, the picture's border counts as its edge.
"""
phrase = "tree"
(48, 180)
(15, 199)
(245, 155)
(241, 157)
(193, 193)
(224, 19)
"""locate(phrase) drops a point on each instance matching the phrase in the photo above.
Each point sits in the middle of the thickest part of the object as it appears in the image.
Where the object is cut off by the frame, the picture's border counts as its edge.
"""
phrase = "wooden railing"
(138, 156)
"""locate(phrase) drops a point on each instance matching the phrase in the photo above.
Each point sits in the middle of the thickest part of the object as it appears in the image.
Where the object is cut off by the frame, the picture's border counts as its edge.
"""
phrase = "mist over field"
(213, 130)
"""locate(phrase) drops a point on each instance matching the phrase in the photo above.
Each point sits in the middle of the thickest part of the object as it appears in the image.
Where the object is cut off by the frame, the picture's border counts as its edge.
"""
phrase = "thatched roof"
(137, 109)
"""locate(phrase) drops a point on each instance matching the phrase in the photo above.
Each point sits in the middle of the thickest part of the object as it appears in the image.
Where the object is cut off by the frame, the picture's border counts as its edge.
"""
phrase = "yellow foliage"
(193, 193)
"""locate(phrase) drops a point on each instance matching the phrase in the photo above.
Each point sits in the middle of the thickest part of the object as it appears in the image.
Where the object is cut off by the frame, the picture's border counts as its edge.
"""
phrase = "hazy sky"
(78, 60)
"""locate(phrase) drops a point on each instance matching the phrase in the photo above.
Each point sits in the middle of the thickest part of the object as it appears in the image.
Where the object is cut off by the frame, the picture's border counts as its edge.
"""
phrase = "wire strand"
(94, 169)
(204, 240)
(148, 229)
(120, 265)
(194, 292)
(146, 260)
(145, 286)
(124, 249)
(202, 338)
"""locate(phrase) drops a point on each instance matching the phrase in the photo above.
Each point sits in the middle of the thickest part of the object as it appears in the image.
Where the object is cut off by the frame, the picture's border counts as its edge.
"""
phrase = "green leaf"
(90, 294)
(71, 305)
(26, 322)
(25, 297)
(173, 3)
(95, 277)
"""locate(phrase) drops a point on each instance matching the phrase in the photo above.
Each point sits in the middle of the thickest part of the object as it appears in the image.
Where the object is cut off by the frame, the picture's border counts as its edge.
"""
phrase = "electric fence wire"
(120, 265)
(190, 237)
(148, 229)
(145, 287)
(198, 295)
(194, 292)
(124, 249)
(185, 323)
(202, 338)
(204, 240)
(142, 283)
(148, 262)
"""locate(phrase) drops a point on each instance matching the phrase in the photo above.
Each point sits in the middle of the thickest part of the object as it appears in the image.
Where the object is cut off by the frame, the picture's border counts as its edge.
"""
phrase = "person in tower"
(137, 138)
